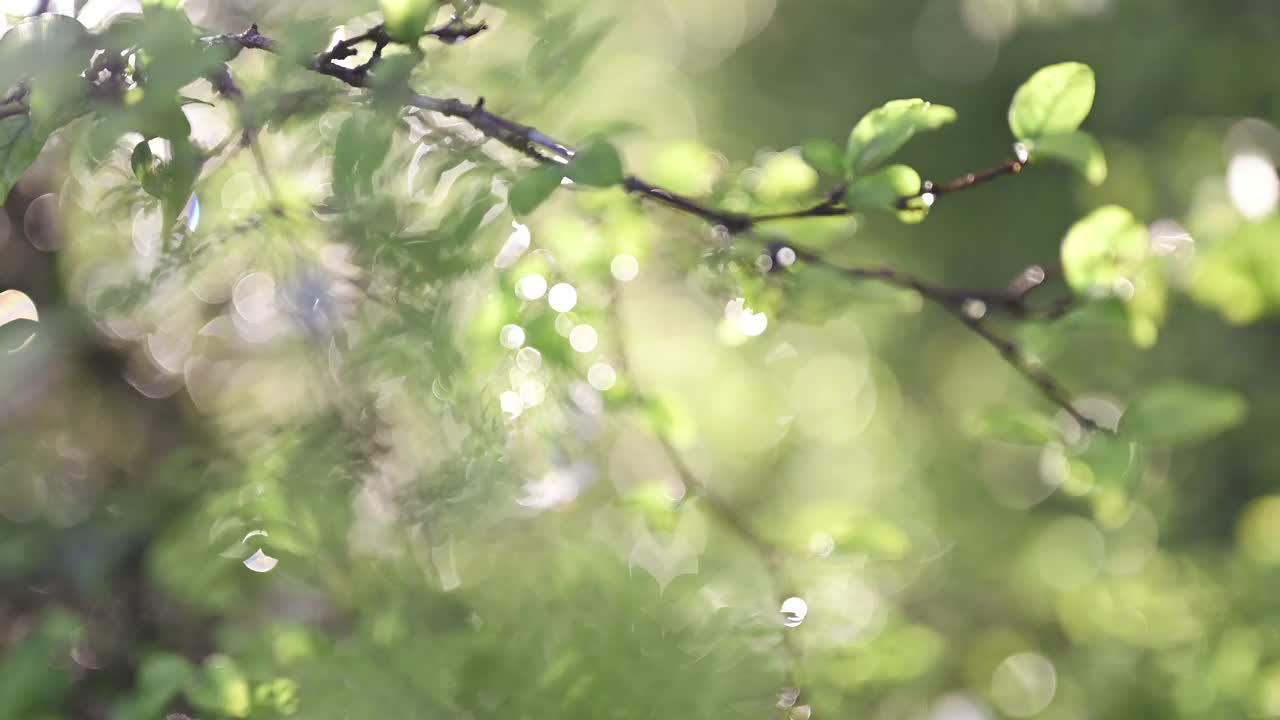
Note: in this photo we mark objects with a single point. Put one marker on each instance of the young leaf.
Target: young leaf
(1017, 426)
(361, 147)
(1076, 148)
(1056, 99)
(533, 189)
(406, 19)
(1179, 411)
(882, 131)
(882, 190)
(1105, 247)
(824, 156)
(45, 46)
(596, 165)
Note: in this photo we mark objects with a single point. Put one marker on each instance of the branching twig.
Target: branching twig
(539, 146)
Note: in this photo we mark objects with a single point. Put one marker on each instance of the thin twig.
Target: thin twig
(541, 147)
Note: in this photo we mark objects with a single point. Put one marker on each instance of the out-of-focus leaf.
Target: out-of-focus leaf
(1075, 148)
(45, 46)
(881, 190)
(1056, 99)
(1103, 249)
(19, 146)
(361, 148)
(881, 132)
(1016, 425)
(1179, 412)
(222, 688)
(596, 165)
(785, 176)
(824, 156)
(406, 19)
(161, 677)
(171, 182)
(534, 188)
(33, 675)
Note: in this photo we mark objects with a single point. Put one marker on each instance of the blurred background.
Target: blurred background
(360, 443)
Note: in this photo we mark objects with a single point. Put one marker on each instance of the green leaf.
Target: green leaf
(882, 131)
(1178, 412)
(1105, 247)
(406, 19)
(222, 688)
(161, 677)
(43, 47)
(1076, 148)
(171, 182)
(533, 189)
(1056, 99)
(882, 190)
(1017, 426)
(596, 165)
(824, 156)
(19, 146)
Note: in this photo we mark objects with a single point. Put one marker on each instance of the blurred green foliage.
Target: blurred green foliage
(317, 406)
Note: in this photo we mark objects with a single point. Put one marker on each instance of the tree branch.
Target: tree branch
(544, 149)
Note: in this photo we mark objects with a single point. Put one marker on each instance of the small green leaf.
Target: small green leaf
(596, 165)
(784, 176)
(47, 46)
(1102, 249)
(1076, 148)
(882, 131)
(1056, 99)
(19, 146)
(824, 156)
(1013, 425)
(171, 182)
(1178, 412)
(406, 19)
(533, 189)
(883, 190)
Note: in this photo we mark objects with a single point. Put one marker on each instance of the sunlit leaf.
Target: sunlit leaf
(1075, 148)
(785, 175)
(596, 165)
(361, 148)
(1178, 412)
(1103, 249)
(221, 687)
(1056, 99)
(881, 132)
(48, 46)
(534, 188)
(824, 156)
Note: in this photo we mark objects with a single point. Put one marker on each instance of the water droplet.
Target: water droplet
(193, 213)
(624, 268)
(928, 199)
(511, 336)
(528, 359)
(511, 403)
(531, 286)
(260, 562)
(764, 263)
(532, 392)
(601, 376)
(794, 609)
(787, 698)
(974, 309)
(752, 323)
(515, 246)
(562, 297)
(40, 223)
(583, 338)
(1024, 684)
(1020, 151)
(16, 306)
(254, 297)
(786, 257)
